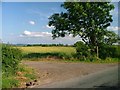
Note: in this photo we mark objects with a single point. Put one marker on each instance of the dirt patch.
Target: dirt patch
(49, 72)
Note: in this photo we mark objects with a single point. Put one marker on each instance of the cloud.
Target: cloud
(27, 33)
(45, 38)
(35, 34)
(29, 37)
(113, 28)
(32, 22)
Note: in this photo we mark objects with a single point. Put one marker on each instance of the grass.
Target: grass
(9, 82)
(107, 60)
(72, 60)
(30, 76)
(24, 74)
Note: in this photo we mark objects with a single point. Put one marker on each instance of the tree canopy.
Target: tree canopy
(88, 20)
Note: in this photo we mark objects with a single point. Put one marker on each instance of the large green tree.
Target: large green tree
(89, 20)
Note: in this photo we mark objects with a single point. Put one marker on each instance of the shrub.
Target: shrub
(108, 51)
(117, 53)
(10, 59)
(82, 50)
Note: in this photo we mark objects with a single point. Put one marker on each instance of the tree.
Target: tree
(111, 38)
(89, 20)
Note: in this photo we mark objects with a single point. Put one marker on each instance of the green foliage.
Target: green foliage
(10, 59)
(48, 45)
(82, 50)
(118, 51)
(9, 82)
(53, 55)
(110, 38)
(109, 51)
(89, 20)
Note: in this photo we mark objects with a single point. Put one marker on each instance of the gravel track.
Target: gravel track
(51, 72)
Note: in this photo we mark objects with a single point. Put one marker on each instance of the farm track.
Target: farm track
(51, 72)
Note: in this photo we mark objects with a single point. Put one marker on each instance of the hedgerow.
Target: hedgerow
(11, 57)
(84, 52)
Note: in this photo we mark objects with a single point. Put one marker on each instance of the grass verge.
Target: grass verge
(19, 79)
(107, 60)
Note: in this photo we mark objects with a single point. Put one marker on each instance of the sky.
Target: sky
(27, 23)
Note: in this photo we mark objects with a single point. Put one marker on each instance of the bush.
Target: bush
(82, 50)
(108, 51)
(117, 53)
(10, 59)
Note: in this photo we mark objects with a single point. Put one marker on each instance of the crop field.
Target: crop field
(39, 49)
(56, 53)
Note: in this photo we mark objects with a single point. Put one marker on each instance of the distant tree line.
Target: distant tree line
(49, 45)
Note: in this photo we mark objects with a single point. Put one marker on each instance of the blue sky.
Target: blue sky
(26, 22)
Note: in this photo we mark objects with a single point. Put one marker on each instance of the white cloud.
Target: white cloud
(32, 22)
(35, 34)
(27, 33)
(113, 28)
(45, 37)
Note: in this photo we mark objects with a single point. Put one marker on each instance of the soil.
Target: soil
(49, 72)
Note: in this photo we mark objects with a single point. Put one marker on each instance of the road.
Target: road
(74, 75)
(104, 78)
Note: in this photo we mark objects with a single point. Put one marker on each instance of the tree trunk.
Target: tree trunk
(97, 52)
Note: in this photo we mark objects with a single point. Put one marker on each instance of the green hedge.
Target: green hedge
(84, 52)
(109, 51)
(10, 59)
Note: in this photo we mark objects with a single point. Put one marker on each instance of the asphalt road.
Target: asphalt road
(104, 78)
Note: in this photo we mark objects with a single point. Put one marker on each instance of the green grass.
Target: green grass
(30, 76)
(111, 60)
(9, 82)
(72, 60)
(14, 81)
